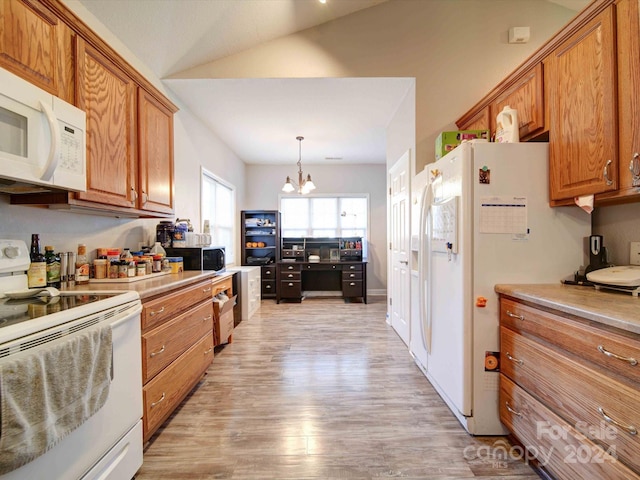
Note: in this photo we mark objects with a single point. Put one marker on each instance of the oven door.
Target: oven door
(109, 444)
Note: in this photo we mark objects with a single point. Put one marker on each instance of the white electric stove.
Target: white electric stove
(108, 445)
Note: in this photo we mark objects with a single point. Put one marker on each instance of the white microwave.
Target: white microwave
(42, 139)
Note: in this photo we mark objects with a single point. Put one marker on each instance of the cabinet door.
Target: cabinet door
(479, 121)
(628, 48)
(527, 97)
(28, 42)
(107, 94)
(155, 143)
(580, 77)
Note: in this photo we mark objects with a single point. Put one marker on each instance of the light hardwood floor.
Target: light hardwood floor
(319, 390)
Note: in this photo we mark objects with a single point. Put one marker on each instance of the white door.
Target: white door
(400, 223)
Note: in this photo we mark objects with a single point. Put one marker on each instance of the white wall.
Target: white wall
(194, 146)
(264, 184)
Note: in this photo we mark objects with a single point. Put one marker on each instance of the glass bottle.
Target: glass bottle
(52, 260)
(82, 265)
(37, 274)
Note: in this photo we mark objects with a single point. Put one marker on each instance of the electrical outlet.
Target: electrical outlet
(634, 253)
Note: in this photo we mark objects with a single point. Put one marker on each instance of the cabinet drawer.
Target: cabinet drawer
(225, 285)
(290, 289)
(268, 273)
(166, 307)
(560, 448)
(290, 267)
(289, 276)
(326, 267)
(164, 344)
(351, 288)
(591, 343)
(286, 253)
(348, 276)
(352, 266)
(575, 392)
(268, 287)
(162, 394)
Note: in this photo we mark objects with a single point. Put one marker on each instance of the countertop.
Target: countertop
(152, 286)
(616, 309)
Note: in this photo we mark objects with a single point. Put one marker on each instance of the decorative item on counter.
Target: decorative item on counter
(82, 265)
(37, 273)
(164, 233)
(52, 260)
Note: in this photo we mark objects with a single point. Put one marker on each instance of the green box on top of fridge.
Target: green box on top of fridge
(447, 141)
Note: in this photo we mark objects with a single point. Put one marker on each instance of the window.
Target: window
(218, 206)
(315, 216)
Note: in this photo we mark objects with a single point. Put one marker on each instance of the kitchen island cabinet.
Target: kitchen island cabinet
(569, 378)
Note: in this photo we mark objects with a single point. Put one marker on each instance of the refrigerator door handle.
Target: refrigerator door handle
(424, 267)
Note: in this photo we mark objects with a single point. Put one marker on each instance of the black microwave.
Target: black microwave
(200, 258)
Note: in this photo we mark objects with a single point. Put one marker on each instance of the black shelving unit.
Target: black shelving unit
(260, 239)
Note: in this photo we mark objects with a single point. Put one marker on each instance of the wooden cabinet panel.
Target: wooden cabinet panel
(574, 392)
(527, 97)
(579, 338)
(159, 310)
(29, 41)
(155, 148)
(107, 95)
(478, 121)
(580, 77)
(628, 60)
(163, 345)
(558, 445)
(167, 389)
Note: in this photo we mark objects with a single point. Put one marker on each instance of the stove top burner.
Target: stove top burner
(13, 311)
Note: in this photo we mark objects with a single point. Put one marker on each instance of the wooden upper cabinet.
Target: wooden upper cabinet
(628, 58)
(478, 121)
(526, 96)
(155, 147)
(107, 95)
(580, 75)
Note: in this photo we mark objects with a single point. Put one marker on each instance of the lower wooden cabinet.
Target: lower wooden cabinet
(177, 348)
(568, 392)
(223, 317)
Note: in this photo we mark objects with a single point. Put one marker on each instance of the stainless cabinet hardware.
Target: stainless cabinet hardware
(630, 429)
(630, 360)
(159, 401)
(208, 351)
(513, 315)
(605, 173)
(155, 312)
(506, 404)
(634, 166)
(205, 290)
(514, 359)
(153, 354)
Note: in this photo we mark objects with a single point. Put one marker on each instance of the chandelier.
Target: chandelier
(304, 185)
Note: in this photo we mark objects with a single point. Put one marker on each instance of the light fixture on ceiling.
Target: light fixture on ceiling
(304, 185)
(323, 1)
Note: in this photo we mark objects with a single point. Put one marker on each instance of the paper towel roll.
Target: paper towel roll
(585, 202)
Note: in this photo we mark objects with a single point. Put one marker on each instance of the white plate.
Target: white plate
(33, 292)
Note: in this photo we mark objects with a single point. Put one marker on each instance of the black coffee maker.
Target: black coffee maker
(597, 254)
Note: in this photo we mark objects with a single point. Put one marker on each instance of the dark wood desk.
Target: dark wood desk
(297, 277)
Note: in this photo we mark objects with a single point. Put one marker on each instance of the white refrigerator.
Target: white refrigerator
(484, 219)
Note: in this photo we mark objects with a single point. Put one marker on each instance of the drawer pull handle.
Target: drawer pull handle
(156, 311)
(605, 173)
(291, 284)
(153, 354)
(205, 290)
(209, 351)
(629, 428)
(267, 272)
(153, 404)
(514, 359)
(630, 360)
(208, 317)
(267, 287)
(352, 275)
(506, 404)
(352, 267)
(353, 284)
(290, 275)
(513, 315)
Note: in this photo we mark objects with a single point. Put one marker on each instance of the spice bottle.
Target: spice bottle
(82, 265)
(52, 260)
(37, 274)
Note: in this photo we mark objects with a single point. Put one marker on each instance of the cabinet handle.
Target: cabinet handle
(267, 272)
(290, 275)
(631, 430)
(153, 354)
(630, 360)
(209, 351)
(634, 166)
(145, 197)
(352, 284)
(268, 287)
(352, 275)
(605, 173)
(135, 194)
(352, 267)
(291, 284)
(513, 315)
(153, 404)
(205, 290)
(208, 317)
(406, 262)
(289, 267)
(155, 312)
(514, 359)
(506, 404)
